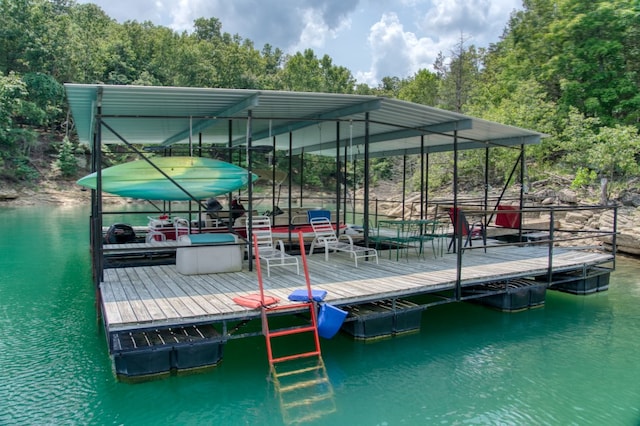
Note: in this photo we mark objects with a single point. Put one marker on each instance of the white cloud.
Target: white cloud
(316, 32)
(396, 52)
(483, 20)
(183, 13)
(288, 24)
(400, 51)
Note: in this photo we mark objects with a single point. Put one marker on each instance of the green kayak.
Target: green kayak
(200, 177)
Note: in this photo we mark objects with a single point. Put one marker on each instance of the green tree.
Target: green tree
(238, 64)
(597, 64)
(458, 76)
(585, 54)
(66, 160)
(389, 87)
(597, 151)
(301, 72)
(273, 59)
(14, 35)
(337, 79)
(16, 140)
(12, 91)
(304, 72)
(207, 29)
(89, 31)
(47, 98)
(422, 88)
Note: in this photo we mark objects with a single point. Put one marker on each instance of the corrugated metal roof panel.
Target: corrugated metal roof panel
(168, 115)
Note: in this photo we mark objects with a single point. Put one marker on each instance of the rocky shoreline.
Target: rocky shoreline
(47, 193)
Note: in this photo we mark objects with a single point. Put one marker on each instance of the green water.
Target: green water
(575, 361)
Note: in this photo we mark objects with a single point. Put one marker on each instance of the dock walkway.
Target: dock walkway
(142, 297)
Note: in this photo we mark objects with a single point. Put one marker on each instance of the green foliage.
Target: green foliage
(440, 171)
(422, 88)
(15, 110)
(577, 136)
(18, 169)
(12, 91)
(389, 87)
(584, 177)
(319, 172)
(382, 168)
(616, 151)
(46, 96)
(304, 72)
(66, 160)
(457, 76)
(594, 150)
(585, 55)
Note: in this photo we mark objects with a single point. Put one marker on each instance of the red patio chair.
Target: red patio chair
(469, 231)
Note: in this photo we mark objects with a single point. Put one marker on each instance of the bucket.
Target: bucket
(330, 320)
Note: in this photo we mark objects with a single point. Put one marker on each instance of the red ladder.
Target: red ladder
(302, 384)
(267, 310)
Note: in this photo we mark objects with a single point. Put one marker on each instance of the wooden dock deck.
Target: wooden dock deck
(146, 297)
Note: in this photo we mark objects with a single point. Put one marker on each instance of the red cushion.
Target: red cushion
(253, 300)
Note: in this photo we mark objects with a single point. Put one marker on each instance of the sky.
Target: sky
(371, 38)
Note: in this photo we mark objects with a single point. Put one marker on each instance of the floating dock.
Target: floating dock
(155, 310)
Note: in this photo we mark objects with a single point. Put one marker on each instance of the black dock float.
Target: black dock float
(582, 282)
(161, 352)
(382, 319)
(509, 296)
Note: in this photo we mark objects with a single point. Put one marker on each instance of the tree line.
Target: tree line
(567, 68)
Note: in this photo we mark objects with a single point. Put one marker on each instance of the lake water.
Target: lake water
(574, 361)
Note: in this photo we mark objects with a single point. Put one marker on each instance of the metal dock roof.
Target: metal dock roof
(170, 115)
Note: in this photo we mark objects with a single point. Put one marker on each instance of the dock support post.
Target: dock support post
(366, 174)
(249, 188)
(339, 179)
(550, 256)
(457, 239)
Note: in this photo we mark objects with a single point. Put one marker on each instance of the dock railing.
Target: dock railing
(574, 227)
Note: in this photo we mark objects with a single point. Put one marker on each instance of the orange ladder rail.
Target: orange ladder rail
(266, 310)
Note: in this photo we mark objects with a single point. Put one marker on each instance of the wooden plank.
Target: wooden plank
(218, 300)
(120, 298)
(139, 309)
(194, 291)
(175, 294)
(147, 276)
(110, 309)
(142, 284)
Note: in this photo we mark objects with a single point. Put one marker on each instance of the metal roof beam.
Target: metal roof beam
(247, 103)
(464, 145)
(309, 121)
(515, 140)
(439, 128)
(427, 149)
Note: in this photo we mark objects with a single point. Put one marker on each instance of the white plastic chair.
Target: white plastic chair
(270, 251)
(325, 236)
(181, 227)
(154, 236)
